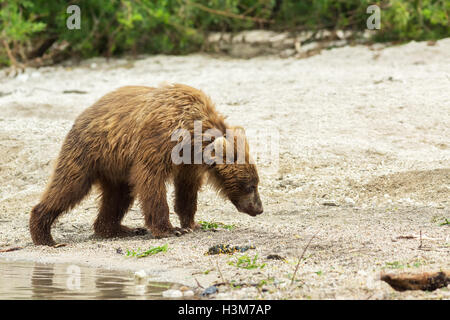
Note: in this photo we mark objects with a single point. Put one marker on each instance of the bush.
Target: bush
(29, 28)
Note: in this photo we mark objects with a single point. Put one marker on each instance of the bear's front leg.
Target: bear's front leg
(149, 185)
(187, 183)
(156, 212)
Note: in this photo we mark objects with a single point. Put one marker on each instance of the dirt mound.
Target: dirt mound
(422, 185)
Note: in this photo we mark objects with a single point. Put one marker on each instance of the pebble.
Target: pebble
(171, 293)
(188, 293)
(141, 274)
(209, 290)
(350, 201)
(23, 77)
(275, 257)
(329, 203)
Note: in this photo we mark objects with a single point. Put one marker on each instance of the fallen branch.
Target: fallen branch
(11, 249)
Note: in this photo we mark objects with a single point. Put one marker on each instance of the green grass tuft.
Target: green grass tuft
(141, 254)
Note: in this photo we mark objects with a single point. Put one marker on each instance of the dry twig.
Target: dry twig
(301, 257)
(11, 249)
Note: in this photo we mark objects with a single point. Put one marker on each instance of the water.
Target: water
(30, 280)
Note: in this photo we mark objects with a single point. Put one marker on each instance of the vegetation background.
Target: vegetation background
(29, 28)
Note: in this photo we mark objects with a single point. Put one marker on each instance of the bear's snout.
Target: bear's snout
(250, 204)
(254, 211)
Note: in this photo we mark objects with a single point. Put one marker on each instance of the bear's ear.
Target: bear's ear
(214, 152)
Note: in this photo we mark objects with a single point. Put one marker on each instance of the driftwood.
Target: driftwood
(427, 281)
(10, 249)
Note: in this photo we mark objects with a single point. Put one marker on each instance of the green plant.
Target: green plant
(263, 282)
(141, 254)
(246, 262)
(18, 24)
(394, 265)
(425, 19)
(445, 223)
(215, 225)
(28, 29)
(207, 271)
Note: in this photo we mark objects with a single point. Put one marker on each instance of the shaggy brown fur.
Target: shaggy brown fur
(123, 144)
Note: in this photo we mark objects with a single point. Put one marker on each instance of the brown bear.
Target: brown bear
(124, 143)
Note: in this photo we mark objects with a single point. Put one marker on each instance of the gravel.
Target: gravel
(363, 142)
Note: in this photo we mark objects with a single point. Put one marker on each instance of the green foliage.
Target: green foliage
(18, 22)
(215, 225)
(180, 26)
(311, 14)
(394, 265)
(246, 262)
(445, 223)
(419, 20)
(141, 254)
(398, 265)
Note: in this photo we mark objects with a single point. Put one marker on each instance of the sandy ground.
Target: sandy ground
(364, 158)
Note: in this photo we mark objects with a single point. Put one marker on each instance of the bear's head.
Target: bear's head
(234, 173)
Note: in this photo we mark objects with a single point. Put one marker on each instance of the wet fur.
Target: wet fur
(123, 144)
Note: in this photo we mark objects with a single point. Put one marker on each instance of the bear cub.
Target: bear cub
(125, 144)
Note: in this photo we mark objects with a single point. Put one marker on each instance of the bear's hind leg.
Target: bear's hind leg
(116, 200)
(63, 193)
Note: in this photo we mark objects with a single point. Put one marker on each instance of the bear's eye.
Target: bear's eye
(250, 188)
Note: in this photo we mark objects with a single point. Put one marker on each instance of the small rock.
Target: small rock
(349, 201)
(275, 257)
(329, 203)
(209, 290)
(245, 50)
(23, 77)
(188, 293)
(261, 36)
(287, 53)
(141, 274)
(171, 293)
(214, 37)
(310, 46)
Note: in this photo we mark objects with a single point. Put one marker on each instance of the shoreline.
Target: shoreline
(363, 160)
